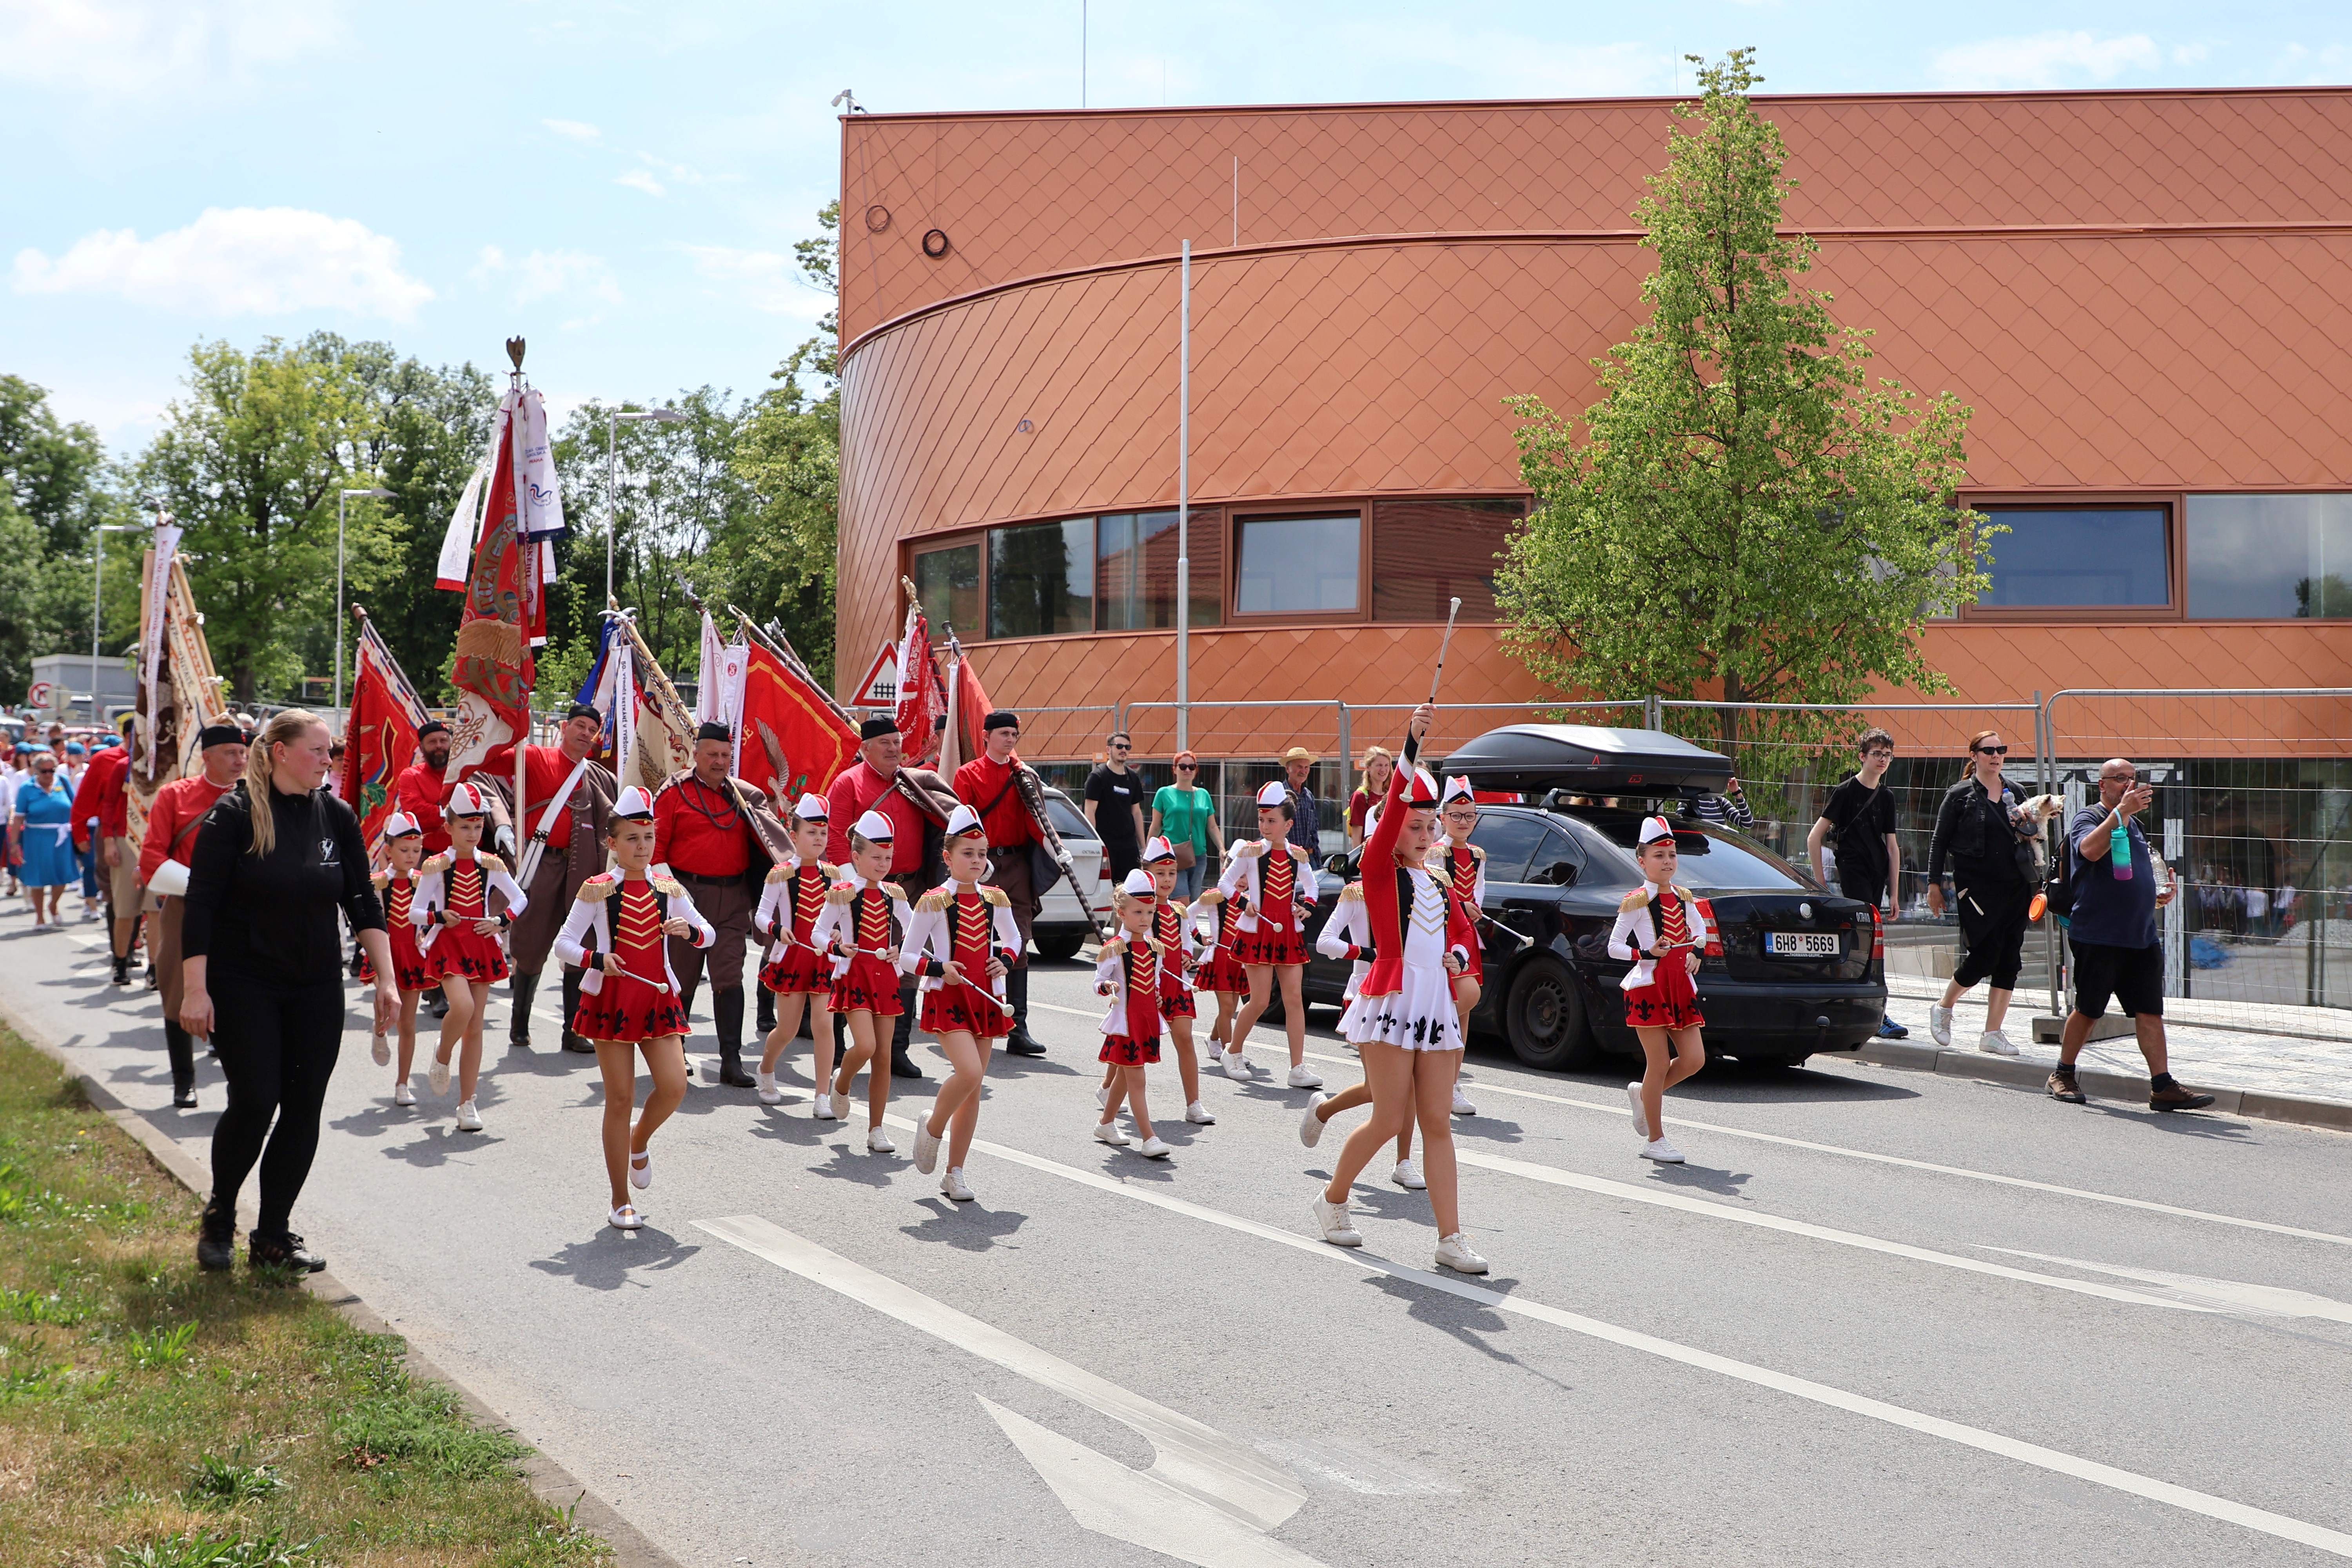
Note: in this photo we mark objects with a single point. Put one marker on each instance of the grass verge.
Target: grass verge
(152, 1415)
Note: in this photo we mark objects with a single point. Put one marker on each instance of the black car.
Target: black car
(1801, 970)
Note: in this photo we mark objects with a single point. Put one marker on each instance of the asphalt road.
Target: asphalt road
(1879, 1318)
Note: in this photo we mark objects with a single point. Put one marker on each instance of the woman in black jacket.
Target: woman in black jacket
(275, 861)
(1979, 831)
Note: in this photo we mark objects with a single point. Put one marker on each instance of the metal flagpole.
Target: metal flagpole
(1183, 508)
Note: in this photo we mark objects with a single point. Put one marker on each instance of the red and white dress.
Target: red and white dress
(1219, 969)
(398, 891)
(1406, 997)
(1130, 971)
(623, 917)
(1659, 992)
(1464, 867)
(965, 925)
(858, 926)
(461, 887)
(1268, 879)
(1347, 935)
(789, 907)
(1172, 931)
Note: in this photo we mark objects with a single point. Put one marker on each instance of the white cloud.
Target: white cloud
(766, 280)
(2191, 54)
(124, 50)
(638, 180)
(2044, 61)
(548, 275)
(577, 129)
(2300, 64)
(236, 261)
(1514, 65)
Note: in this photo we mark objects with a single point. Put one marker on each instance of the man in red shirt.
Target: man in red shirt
(103, 797)
(703, 833)
(580, 792)
(987, 784)
(179, 808)
(420, 789)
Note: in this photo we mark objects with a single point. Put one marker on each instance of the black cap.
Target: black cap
(213, 735)
(1003, 718)
(873, 726)
(581, 710)
(431, 727)
(714, 730)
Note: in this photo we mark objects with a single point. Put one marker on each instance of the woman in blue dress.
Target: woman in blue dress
(42, 830)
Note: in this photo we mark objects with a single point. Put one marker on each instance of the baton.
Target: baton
(1438, 674)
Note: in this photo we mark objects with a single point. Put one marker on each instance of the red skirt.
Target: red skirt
(1176, 999)
(966, 1007)
(802, 970)
(1270, 945)
(868, 985)
(1127, 1052)
(462, 950)
(1668, 1001)
(629, 1009)
(407, 963)
(1221, 972)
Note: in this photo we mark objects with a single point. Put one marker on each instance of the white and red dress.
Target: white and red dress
(1131, 970)
(789, 906)
(1219, 969)
(1464, 867)
(624, 916)
(1406, 997)
(460, 887)
(857, 925)
(398, 891)
(1172, 929)
(1659, 992)
(965, 926)
(1345, 935)
(1267, 880)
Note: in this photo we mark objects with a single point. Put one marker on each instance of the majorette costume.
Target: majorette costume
(1172, 928)
(1217, 969)
(1345, 935)
(398, 891)
(789, 907)
(1270, 878)
(856, 926)
(965, 926)
(1659, 992)
(1464, 867)
(455, 892)
(1129, 975)
(623, 915)
(1406, 998)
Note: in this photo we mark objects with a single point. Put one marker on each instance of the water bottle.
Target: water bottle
(2119, 850)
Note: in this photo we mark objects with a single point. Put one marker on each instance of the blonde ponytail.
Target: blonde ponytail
(259, 764)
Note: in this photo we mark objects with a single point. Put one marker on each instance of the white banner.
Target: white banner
(152, 650)
(541, 505)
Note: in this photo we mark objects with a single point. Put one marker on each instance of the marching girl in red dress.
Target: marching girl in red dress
(1348, 935)
(618, 933)
(1129, 975)
(859, 926)
(1462, 865)
(396, 884)
(797, 971)
(1172, 929)
(962, 942)
(460, 939)
(1218, 973)
(1265, 881)
(1661, 930)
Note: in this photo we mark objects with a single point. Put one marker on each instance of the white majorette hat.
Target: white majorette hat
(964, 822)
(468, 800)
(400, 825)
(1652, 829)
(1276, 793)
(874, 827)
(1139, 885)
(812, 808)
(1456, 788)
(632, 804)
(1157, 849)
(1421, 791)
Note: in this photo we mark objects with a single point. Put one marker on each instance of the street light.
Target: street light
(342, 502)
(613, 420)
(96, 577)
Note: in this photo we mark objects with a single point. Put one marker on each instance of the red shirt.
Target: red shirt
(856, 791)
(100, 794)
(1007, 821)
(172, 822)
(544, 769)
(700, 830)
(419, 791)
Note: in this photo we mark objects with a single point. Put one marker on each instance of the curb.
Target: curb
(548, 1480)
(2334, 1115)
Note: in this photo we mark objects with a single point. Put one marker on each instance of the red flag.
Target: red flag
(493, 667)
(789, 739)
(380, 731)
(923, 695)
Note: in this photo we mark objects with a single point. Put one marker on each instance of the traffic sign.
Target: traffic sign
(880, 687)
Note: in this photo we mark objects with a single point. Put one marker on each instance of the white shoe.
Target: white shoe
(1408, 1175)
(841, 1108)
(1236, 1067)
(641, 1171)
(625, 1218)
(769, 1093)
(1305, 1076)
(1664, 1153)
(1153, 1149)
(877, 1142)
(1310, 1126)
(1462, 1106)
(1108, 1132)
(1198, 1115)
(437, 1075)
(1331, 1219)
(926, 1149)
(1453, 1252)
(1640, 1117)
(825, 1110)
(401, 1094)
(468, 1118)
(953, 1186)
(1939, 1024)
(380, 1049)
(1993, 1043)
(1102, 1095)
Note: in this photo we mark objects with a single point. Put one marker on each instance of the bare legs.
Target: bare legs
(863, 1031)
(956, 1109)
(617, 1059)
(467, 1000)
(1996, 1004)
(407, 1062)
(1263, 978)
(790, 1006)
(1659, 1075)
(1188, 1062)
(1129, 1089)
(1407, 1086)
(1360, 1093)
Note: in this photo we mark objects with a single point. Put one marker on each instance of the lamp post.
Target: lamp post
(342, 502)
(98, 578)
(613, 420)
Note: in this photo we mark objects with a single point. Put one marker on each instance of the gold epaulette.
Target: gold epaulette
(491, 862)
(1477, 854)
(1683, 894)
(894, 890)
(1114, 947)
(1249, 849)
(1638, 899)
(933, 902)
(599, 888)
(778, 874)
(840, 893)
(1210, 897)
(666, 888)
(996, 895)
(1352, 893)
(381, 879)
(438, 864)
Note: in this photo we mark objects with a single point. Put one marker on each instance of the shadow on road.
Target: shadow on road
(967, 1227)
(604, 1260)
(1723, 1184)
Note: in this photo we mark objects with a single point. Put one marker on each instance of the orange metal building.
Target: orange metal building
(2146, 298)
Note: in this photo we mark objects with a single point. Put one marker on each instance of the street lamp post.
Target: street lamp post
(342, 502)
(97, 579)
(613, 420)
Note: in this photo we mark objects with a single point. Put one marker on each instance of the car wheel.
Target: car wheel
(1057, 947)
(1543, 1019)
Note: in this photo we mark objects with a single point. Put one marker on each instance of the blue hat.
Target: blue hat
(76, 749)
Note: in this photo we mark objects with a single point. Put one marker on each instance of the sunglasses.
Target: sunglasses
(1188, 767)
(1991, 751)
(1122, 746)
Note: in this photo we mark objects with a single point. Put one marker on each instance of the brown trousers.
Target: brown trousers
(550, 894)
(169, 980)
(729, 907)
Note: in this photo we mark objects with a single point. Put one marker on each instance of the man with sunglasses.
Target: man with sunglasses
(1983, 833)
(1114, 807)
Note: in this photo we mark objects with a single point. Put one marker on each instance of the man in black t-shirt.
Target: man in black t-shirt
(1114, 797)
(1860, 815)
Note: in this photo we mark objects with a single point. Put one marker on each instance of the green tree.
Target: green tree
(55, 491)
(1743, 514)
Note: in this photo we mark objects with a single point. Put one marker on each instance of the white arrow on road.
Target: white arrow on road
(2214, 1295)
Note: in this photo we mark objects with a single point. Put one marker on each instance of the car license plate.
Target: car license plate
(1801, 944)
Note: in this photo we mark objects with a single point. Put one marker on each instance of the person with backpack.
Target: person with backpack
(1860, 815)
(1984, 833)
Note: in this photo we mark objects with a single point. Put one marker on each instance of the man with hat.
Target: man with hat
(1305, 818)
(990, 784)
(567, 799)
(420, 789)
(867, 785)
(703, 833)
(103, 797)
(172, 819)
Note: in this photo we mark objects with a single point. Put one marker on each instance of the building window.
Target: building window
(1426, 552)
(1135, 571)
(2269, 557)
(1297, 565)
(947, 582)
(2079, 557)
(1041, 579)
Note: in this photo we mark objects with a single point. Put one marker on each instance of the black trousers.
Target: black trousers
(277, 1046)
(1992, 922)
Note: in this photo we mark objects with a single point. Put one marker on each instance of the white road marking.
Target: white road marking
(2220, 1295)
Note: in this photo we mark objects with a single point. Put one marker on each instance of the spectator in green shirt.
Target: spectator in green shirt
(1186, 815)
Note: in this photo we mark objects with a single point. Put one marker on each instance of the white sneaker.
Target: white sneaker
(953, 1186)
(1310, 1126)
(769, 1093)
(841, 1108)
(437, 1075)
(1236, 1067)
(380, 1049)
(1640, 1117)
(1993, 1043)
(468, 1118)
(825, 1110)
(1153, 1149)
(1453, 1252)
(926, 1149)
(1305, 1076)
(1664, 1153)
(877, 1142)
(1198, 1115)
(1108, 1132)
(1462, 1106)
(1102, 1095)
(1331, 1219)
(401, 1094)
(1408, 1175)
(1939, 1024)
(641, 1171)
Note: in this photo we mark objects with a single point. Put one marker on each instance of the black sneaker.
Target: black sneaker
(121, 971)
(215, 1239)
(2063, 1087)
(2175, 1098)
(183, 1100)
(283, 1251)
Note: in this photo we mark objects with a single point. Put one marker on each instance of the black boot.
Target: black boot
(902, 1035)
(727, 1017)
(521, 987)
(283, 1250)
(572, 1042)
(1020, 1042)
(182, 1052)
(216, 1236)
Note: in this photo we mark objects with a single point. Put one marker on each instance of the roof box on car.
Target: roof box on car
(1533, 758)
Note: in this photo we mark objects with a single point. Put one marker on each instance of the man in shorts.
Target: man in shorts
(2112, 934)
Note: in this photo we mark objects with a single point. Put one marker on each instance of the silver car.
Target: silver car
(1062, 926)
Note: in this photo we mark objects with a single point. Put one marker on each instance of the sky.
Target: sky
(622, 184)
